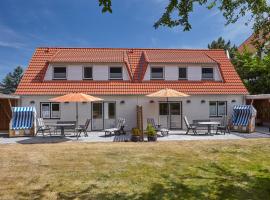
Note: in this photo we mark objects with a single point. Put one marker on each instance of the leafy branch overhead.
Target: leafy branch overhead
(177, 13)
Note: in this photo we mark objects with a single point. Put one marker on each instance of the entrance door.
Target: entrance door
(97, 116)
(170, 115)
(103, 115)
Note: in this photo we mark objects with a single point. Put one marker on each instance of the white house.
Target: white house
(123, 77)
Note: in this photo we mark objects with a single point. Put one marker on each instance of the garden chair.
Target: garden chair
(224, 126)
(118, 129)
(42, 127)
(157, 127)
(190, 126)
(82, 128)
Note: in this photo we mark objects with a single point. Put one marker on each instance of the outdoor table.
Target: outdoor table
(62, 127)
(209, 125)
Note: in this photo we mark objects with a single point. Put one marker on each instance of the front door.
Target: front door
(170, 115)
(103, 115)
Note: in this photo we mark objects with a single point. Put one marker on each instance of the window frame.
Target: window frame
(121, 67)
(217, 110)
(179, 73)
(83, 75)
(50, 110)
(55, 78)
(155, 67)
(213, 74)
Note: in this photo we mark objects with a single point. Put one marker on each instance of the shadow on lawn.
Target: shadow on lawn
(43, 140)
(218, 183)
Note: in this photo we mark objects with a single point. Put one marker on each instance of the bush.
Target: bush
(136, 132)
(150, 130)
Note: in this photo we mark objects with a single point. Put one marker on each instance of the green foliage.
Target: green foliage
(150, 130)
(136, 132)
(254, 71)
(220, 43)
(177, 13)
(12, 80)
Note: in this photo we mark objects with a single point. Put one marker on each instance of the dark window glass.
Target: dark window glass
(175, 108)
(87, 73)
(97, 110)
(157, 73)
(50, 110)
(163, 109)
(111, 110)
(115, 72)
(45, 110)
(59, 72)
(217, 108)
(182, 72)
(207, 73)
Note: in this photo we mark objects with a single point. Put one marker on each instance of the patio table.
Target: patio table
(209, 125)
(62, 127)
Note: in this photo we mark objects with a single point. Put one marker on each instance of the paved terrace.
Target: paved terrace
(100, 137)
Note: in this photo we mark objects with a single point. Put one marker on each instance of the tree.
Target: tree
(12, 80)
(177, 14)
(254, 71)
(220, 43)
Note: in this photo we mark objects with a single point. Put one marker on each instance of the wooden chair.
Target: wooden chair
(224, 126)
(118, 129)
(158, 128)
(42, 127)
(82, 128)
(190, 126)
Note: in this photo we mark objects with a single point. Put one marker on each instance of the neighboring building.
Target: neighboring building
(123, 76)
(248, 45)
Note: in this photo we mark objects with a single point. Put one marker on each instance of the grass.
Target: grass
(163, 170)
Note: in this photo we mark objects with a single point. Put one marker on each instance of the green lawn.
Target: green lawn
(163, 170)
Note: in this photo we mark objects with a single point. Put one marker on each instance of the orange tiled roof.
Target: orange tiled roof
(136, 61)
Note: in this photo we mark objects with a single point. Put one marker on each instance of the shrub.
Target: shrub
(150, 130)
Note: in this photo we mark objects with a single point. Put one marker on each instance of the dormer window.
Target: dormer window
(87, 73)
(182, 73)
(115, 73)
(207, 73)
(59, 73)
(157, 73)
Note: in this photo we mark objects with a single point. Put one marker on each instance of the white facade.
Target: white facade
(194, 72)
(75, 71)
(194, 109)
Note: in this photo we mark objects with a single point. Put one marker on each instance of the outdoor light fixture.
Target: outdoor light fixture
(66, 102)
(202, 101)
(233, 101)
(151, 101)
(84, 102)
(122, 102)
(32, 102)
(188, 101)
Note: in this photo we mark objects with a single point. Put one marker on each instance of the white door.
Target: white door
(97, 116)
(170, 115)
(109, 114)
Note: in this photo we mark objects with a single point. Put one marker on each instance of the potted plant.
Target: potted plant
(151, 133)
(136, 135)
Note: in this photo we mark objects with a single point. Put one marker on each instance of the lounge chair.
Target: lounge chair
(158, 128)
(82, 128)
(118, 129)
(224, 126)
(42, 127)
(190, 126)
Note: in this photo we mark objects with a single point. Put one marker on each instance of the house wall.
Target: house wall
(194, 72)
(75, 72)
(193, 110)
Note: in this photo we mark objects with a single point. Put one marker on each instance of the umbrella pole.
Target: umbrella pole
(168, 113)
(77, 114)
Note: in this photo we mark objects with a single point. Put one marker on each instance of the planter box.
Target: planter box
(152, 138)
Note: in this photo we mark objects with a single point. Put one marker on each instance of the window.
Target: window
(111, 110)
(116, 73)
(163, 109)
(182, 73)
(87, 73)
(207, 73)
(157, 73)
(50, 110)
(217, 108)
(59, 73)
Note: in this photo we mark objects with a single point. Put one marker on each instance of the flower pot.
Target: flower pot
(152, 138)
(135, 138)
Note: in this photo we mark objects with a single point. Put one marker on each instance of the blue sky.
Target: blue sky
(25, 25)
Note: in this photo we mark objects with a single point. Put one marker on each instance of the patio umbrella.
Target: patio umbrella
(167, 93)
(76, 98)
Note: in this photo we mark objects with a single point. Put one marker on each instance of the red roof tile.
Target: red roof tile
(136, 61)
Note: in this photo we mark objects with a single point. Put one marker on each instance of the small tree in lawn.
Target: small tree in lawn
(12, 80)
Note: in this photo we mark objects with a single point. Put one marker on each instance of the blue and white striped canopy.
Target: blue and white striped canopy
(242, 114)
(23, 117)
